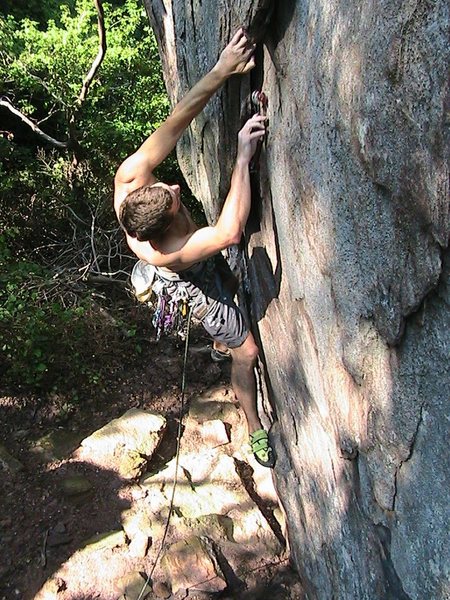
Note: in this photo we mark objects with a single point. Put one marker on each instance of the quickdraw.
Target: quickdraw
(259, 102)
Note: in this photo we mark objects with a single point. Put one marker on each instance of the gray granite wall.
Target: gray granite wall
(347, 267)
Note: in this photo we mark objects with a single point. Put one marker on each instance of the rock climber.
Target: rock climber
(160, 230)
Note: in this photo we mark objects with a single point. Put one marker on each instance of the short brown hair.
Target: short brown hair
(145, 212)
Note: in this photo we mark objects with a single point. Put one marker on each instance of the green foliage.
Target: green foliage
(46, 344)
(28, 352)
(53, 211)
(42, 67)
(37, 10)
(43, 70)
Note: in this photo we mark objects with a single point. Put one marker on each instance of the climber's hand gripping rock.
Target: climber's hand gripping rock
(237, 57)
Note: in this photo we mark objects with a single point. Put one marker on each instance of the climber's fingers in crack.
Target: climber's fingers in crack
(237, 37)
(249, 136)
(251, 63)
(255, 123)
(240, 39)
(237, 56)
(256, 134)
(243, 44)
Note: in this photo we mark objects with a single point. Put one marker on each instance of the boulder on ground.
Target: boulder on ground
(125, 444)
(132, 586)
(56, 445)
(188, 564)
(8, 462)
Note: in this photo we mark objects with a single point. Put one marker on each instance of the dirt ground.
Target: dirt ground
(39, 526)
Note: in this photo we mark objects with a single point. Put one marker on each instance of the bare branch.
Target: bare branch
(43, 83)
(52, 112)
(105, 279)
(88, 80)
(7, 104)
(72, 142)
(7, 134)
(94, 255)
(100, 54)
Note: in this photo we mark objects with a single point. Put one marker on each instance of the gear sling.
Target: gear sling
(172, 298)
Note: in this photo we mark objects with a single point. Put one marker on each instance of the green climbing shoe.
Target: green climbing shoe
(262, 451)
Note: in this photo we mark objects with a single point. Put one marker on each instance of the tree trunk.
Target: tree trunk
(348, 270)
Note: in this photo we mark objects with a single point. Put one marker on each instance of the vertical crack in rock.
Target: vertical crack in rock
(202, 137)
(263, 392)
(193, 20)
(261, 19)
(295, 427)
(221, 564)
(411, 451)
(245, 474)
(394, 586)
(185, 66)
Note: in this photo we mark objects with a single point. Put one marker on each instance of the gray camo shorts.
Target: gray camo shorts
(211, 286)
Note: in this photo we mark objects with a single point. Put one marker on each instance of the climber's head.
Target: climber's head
(146, 213)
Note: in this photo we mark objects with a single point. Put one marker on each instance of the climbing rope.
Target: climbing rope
(170, 315)
(177, 453)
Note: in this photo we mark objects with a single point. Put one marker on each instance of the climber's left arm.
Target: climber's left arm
(137, 169)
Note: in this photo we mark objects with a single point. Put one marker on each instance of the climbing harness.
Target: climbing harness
(170, 314)
(171, 309)
(172, 302)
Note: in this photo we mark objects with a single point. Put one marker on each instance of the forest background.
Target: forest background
(64, 267)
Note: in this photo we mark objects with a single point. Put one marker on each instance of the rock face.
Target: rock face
(348, 269)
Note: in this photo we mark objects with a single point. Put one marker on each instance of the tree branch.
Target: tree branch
(88, 80)
(73, 142)
(100, 54)
(7, 104)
